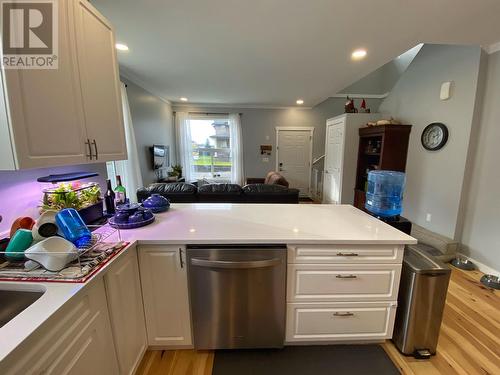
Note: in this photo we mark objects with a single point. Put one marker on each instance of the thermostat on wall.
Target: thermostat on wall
(445, 91)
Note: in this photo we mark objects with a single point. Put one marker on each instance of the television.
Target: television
(160, 156)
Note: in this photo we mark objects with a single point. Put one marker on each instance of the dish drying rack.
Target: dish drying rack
(89, 259)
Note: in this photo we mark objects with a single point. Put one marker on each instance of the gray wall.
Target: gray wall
(258, 127)
(435, 179)
(480, 237)
(152, 119)
(383, 79)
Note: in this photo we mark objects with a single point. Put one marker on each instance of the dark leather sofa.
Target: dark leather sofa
(221, 193)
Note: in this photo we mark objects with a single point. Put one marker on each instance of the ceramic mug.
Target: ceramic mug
(21, 223)
(20, 241)
(45, 226)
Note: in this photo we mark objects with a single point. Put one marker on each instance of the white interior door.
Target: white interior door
(294, 154)
(334, 151)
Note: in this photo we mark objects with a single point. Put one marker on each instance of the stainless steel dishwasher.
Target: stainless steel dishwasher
(237, 296)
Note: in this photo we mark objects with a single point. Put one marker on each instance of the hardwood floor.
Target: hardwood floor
(469, 342)
(176, 362)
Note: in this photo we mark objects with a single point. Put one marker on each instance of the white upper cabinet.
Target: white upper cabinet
(51, 117)
(44, 108)
(100, 83)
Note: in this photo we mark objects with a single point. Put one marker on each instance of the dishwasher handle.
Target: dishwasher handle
(235, 265)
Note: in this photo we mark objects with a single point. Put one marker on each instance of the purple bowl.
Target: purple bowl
(137, 217)
(147, 214)
(156, 203)
(130, 208)
(121, 217)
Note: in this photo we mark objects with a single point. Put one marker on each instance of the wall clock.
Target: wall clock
(434, 136)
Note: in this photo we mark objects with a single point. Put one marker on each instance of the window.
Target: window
(210, 155)
(209, 147)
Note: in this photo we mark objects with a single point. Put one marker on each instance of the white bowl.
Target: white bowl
(53, 253)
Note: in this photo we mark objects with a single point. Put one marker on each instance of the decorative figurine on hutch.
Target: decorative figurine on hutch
(349, 106)
(363, 108)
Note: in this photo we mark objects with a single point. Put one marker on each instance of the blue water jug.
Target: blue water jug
(73, 227)
(384, 195)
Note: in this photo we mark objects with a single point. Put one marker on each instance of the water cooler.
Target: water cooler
(384, 198)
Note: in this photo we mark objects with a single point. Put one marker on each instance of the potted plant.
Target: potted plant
(176, 171)
(85, 198)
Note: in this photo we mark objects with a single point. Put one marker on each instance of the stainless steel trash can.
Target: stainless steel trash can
(422, 295)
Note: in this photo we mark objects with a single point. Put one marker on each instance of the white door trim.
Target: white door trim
(340, 121)
(298, 128)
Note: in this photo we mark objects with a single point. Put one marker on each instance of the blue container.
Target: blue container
(73, 227)
(385, 193)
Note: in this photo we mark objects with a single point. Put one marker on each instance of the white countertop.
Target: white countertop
(266, 223)
(210, 224)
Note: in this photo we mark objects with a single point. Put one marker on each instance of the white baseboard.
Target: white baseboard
(481, 266)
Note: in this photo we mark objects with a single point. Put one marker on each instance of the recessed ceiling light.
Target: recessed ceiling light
(183, 99)
(359, 54)
(121, 47)
(299, 101)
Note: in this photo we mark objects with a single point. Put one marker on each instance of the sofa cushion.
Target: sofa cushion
(265, 193)
(178, 192)
(264, 188)
(221, 193)
(220, 188)
(177, 187)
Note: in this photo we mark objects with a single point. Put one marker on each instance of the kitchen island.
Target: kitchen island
(341, 264)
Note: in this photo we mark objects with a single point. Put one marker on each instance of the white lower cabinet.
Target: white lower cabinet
(340, 321)
(351, 254)
(123, 290)
(342, 293)
(341, 282)
(165, 293)
(77, 340)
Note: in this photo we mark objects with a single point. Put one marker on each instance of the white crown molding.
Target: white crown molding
(240, 106)
(362, 96)
(492, 48)
(128, 74)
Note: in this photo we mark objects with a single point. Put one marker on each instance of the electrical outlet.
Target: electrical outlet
(428, 218)
(265, 160)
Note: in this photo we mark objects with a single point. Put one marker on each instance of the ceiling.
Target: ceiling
(269, 53)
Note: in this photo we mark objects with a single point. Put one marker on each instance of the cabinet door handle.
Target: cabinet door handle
(89, 155)
(95, 147)
(180, 258)
(346, 276)
(347, 254)
(343, 314)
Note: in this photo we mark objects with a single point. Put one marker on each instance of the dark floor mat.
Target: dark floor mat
(314, 360)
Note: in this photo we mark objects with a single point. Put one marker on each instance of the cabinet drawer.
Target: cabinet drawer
(331, 282)
(345, 253)
(339, 321)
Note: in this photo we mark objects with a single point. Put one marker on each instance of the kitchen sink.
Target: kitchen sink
(13, 302)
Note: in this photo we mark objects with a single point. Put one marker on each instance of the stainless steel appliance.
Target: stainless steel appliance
(422, 295)
(237, 296)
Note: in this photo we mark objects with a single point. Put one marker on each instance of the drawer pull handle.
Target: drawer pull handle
(347, 254)
(346, 276)
(343, 314)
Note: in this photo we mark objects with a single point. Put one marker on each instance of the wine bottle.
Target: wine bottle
(109, 199)
(120, 192)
